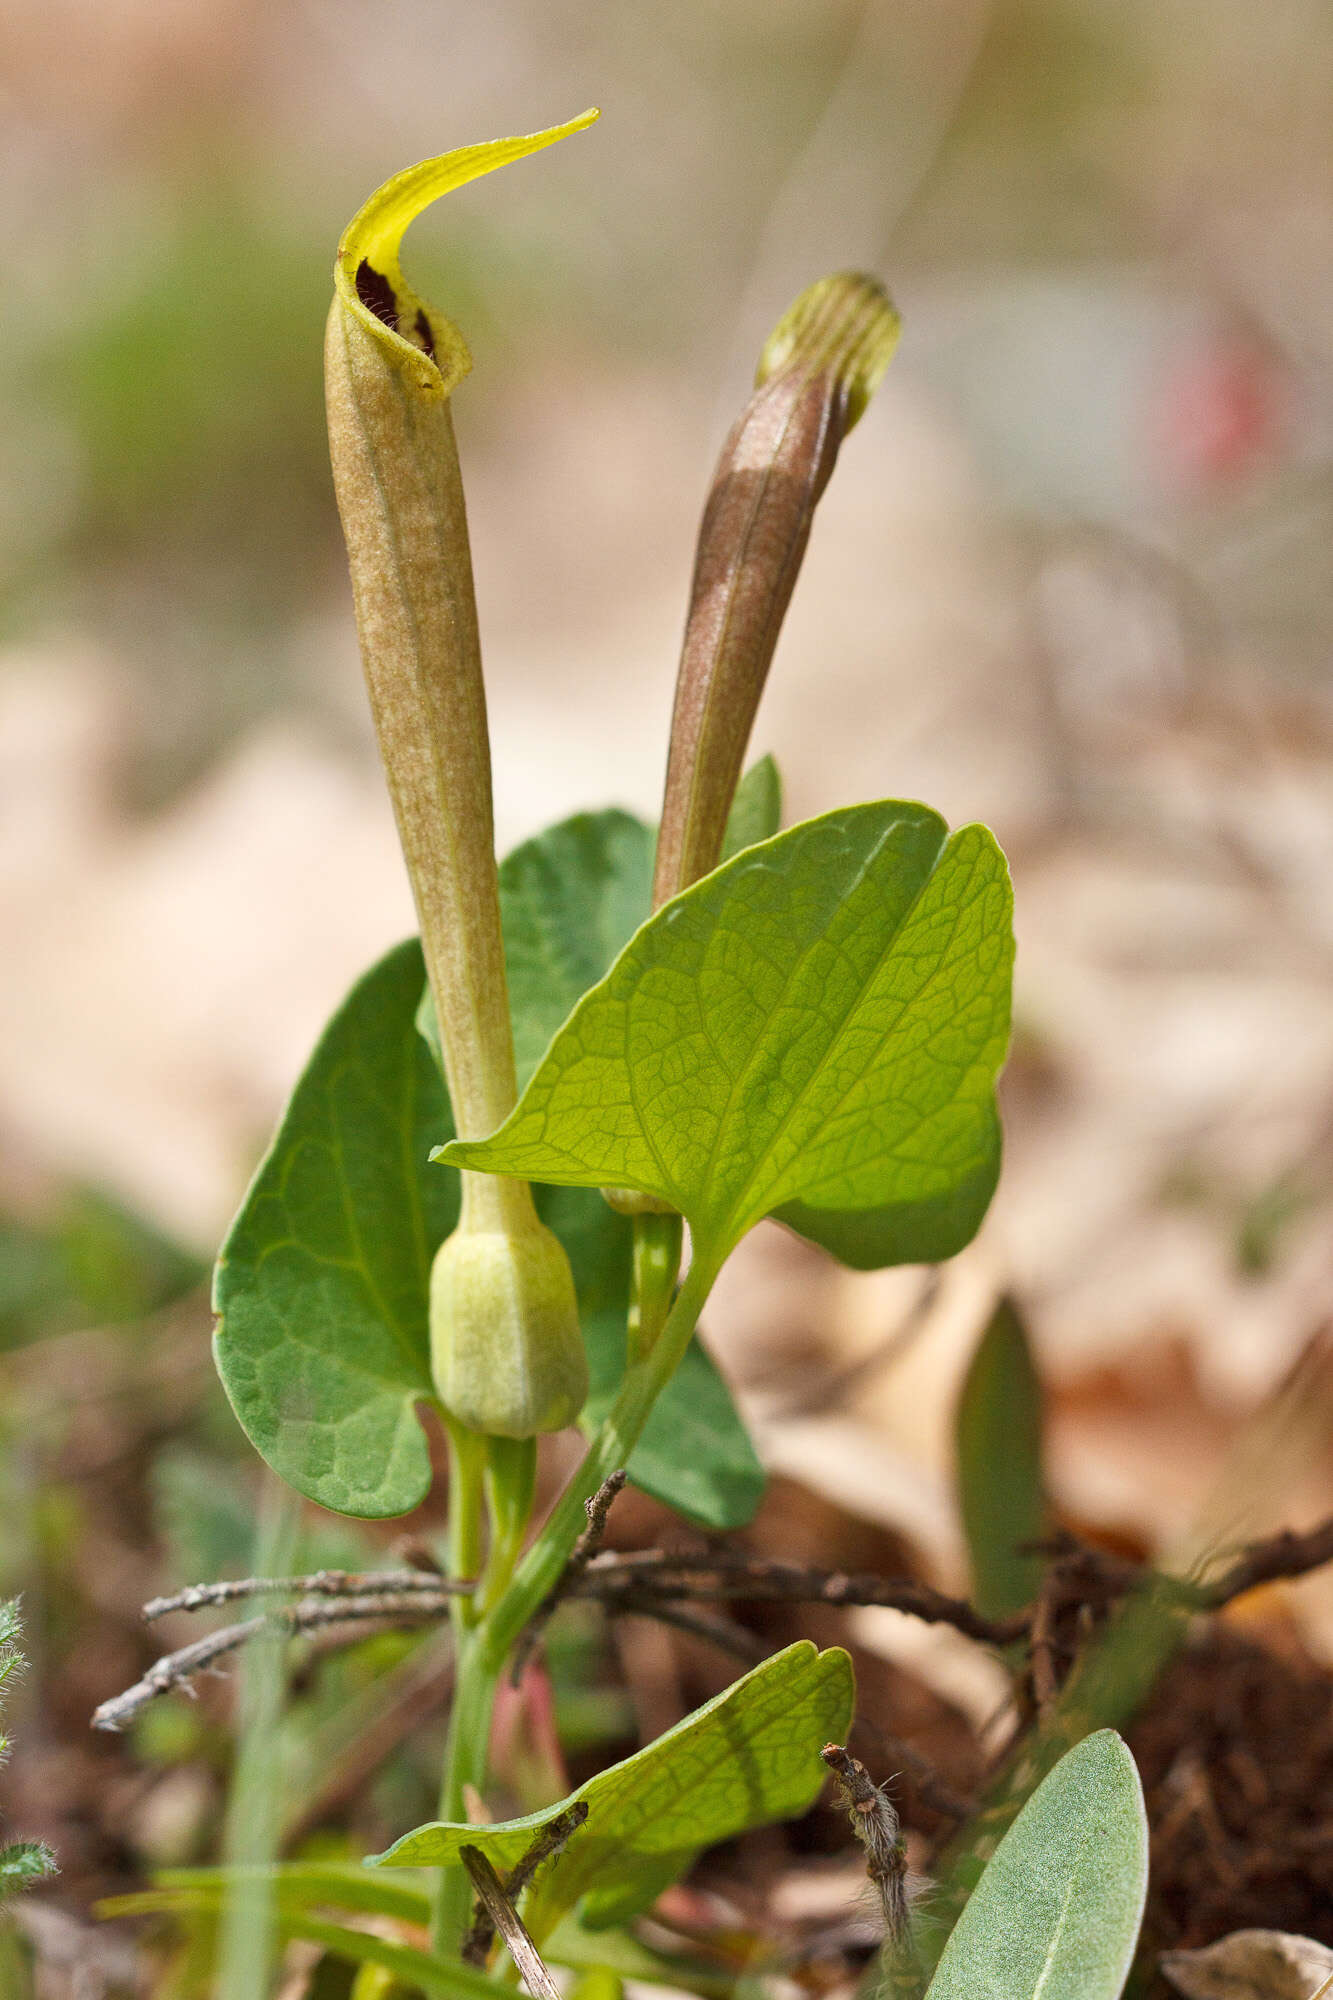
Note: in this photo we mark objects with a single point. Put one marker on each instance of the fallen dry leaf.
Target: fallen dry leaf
(1252, 1965)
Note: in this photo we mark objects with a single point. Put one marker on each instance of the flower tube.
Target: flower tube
(819, 369)
(506, 1352)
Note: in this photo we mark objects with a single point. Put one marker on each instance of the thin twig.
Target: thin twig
(179, 1668)
(323, 1583)
(724, 1633)
(597, 1507)
(654, 1583)
(174, 1670)
(1277, 1557)
(392, 1604)
(551, 1838)
(875, 1823)
(730, 1573)
(490, 1891)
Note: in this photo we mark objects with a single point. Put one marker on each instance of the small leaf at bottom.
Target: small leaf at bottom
(749, 1757)
(1057, 1911)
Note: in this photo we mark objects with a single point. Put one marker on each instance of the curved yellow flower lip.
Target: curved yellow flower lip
(368, 277)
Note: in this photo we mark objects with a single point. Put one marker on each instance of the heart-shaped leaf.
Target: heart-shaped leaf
(571, 898)
(820, 1021)
(1057, 1911)
(749, 1757)
(322, 1342)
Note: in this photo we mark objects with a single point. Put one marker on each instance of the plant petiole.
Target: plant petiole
(540, 1569)
(657, 1246)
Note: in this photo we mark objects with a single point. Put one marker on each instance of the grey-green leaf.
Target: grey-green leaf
(1057, 1911)
(749, 1757)
(819, 1021)
(1001, 1488)
(322, 1341)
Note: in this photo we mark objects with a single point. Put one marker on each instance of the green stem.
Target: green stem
(467, 1460)
(251, 1833)
(657, 1240)
(482, 1647)
(644, 1381)
(511, 1481)
(475, 1682)
(470, 1711)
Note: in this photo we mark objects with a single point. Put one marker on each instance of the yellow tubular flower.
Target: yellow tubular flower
(506, 1351)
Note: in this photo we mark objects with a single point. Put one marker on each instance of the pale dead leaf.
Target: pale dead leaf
(1251, 1965)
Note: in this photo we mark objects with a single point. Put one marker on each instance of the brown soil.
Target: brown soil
(1236, 1753)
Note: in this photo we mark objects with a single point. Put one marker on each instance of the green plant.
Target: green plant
(1056, 1914)
(22, 1862)
(477, 1197)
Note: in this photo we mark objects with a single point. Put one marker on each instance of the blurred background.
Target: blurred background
(1074, 577)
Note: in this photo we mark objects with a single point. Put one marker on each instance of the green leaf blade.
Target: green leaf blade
(417, 1971)
(756, 810)
(1056, 1913)
(694, 1453)
(24, 1863)
(748, 1757)
(1001, 1486)
(927, 1230)
(322, 1340)
(820, 1021)
(322, 1284)
(571, 898)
